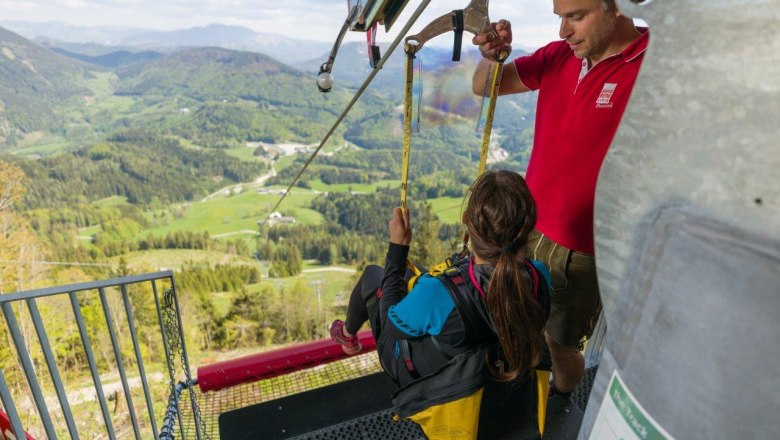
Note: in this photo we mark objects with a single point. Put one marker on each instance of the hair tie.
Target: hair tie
(512, 247)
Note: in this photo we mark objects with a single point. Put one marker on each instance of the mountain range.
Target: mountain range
(55, 34)
(34, 82)
(220, 97)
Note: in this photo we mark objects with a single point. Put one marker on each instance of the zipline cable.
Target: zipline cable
(407, 26)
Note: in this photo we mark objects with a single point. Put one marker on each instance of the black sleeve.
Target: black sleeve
(393, 283)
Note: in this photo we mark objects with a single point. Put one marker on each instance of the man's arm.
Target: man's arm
(510, 80)
(490, 44)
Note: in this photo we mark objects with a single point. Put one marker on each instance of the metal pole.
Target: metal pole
(10, 408)
(138, 358)
(74, 302)
(29, 371)
(51, 363)
(119, 361)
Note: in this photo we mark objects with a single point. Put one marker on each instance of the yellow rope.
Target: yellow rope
(494, 84)
(410, 50)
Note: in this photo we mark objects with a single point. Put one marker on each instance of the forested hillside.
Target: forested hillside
(135, 166)
(35, 83)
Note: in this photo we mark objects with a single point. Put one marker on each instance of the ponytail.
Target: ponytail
(518, 319)
(499, 216)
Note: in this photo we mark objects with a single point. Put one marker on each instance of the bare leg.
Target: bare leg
(568, 365)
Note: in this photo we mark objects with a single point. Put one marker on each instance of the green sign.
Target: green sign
(621, 417)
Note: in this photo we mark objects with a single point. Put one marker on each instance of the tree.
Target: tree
(19, 249)
(12, 181)
(286, 262)
(426, 250)
(297, 313)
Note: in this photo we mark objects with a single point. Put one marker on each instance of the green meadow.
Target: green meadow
(235, 213)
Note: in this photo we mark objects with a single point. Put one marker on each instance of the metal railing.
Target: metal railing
(119, 317)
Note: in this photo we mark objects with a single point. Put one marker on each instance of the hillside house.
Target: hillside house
(276, 217)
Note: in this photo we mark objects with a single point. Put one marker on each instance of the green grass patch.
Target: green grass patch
(307, 216)
(173, 259)
(221, 301)
(447, 209)
(318, 185)
(119, 104)
(88, 233)
(240, 212)
(245, 154)
(48, 146)
(112, 201)
(284, 162)
(335, 282)
(101, 83)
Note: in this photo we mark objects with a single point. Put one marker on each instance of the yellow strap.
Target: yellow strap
(458, 419)
(495, 83)
(413, 280)
(410, 50)
(542, 389)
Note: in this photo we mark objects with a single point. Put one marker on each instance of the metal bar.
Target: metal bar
(595, 345)
(29, 370)
(74, 301)
(10, 408)
(186, 361)
(354, 99)
(51, 363)
(70, 288)
(119, 361)
(168, 355)
(138, 358)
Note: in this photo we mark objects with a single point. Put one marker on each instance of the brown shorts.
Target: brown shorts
(575, 304)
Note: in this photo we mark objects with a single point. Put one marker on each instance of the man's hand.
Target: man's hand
(491, 45)
(400, 227)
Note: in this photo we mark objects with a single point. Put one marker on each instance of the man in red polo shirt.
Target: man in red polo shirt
(584, 82)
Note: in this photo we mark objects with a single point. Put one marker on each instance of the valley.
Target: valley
(173, 161)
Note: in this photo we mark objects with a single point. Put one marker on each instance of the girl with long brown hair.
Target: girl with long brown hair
(437, 335)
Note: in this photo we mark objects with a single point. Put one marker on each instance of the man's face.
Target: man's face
(586, 25)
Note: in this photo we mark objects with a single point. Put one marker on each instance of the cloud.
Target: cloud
(75, 4)
(17, 6)
(532, 20)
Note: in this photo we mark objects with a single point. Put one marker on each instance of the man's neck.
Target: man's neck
(625, 33)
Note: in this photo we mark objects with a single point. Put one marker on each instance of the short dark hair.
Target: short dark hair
(610, 4)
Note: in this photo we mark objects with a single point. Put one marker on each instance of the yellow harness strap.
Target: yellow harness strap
(458, 419)
(494, 84)
(542, 388)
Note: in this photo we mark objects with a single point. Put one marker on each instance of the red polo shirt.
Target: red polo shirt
(577, 114)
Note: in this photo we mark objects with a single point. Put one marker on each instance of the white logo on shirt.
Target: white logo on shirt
(603, 101)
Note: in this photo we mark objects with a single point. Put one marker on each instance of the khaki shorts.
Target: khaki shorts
(575, 302)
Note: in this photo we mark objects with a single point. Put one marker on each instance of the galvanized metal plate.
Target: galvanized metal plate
(697, 148)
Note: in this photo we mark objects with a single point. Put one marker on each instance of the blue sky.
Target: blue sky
(533, 21)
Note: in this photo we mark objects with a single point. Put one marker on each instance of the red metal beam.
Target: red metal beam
(274, 363)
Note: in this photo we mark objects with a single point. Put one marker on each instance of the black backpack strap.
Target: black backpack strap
(453, 279)
(406, 358)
